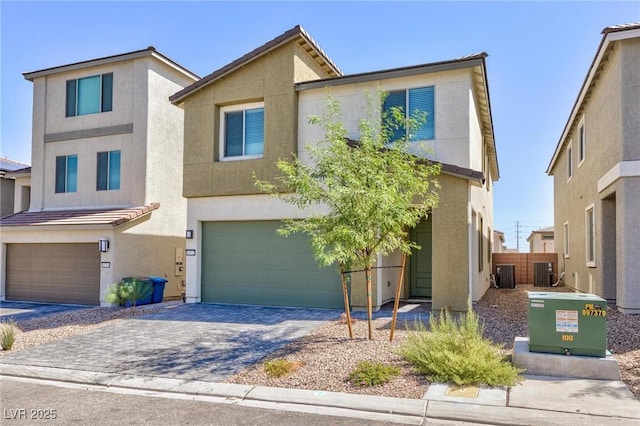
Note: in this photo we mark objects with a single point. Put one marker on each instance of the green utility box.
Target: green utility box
(567, 323)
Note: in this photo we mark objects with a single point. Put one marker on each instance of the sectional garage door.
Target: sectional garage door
(56, 273)
(247, 263)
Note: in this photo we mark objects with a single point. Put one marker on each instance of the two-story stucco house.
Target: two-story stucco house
(541, 240)
(243, 117)
(106, 167)
(596, 175)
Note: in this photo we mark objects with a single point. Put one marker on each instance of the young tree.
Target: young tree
(368, 192)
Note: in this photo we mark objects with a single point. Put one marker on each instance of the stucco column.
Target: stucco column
(628, 245)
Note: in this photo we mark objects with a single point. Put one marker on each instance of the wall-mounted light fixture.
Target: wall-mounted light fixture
(103, 245)
(189, 234)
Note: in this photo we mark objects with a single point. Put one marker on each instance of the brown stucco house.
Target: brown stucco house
(243, 117)
(596, 175)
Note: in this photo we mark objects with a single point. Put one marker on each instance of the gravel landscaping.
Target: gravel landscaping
(325, 357)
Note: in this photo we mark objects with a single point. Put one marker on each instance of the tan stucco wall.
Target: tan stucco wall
(612, 136)
(269, 79)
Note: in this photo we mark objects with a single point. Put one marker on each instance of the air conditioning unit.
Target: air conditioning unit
(506, 276)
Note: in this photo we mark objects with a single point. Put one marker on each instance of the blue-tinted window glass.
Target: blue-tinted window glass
(89, 95)
(422, 101)
(395, 99)
(114, 170)
(61, 174)
(72, 173)
(254, 131)
(107, 92)
(102, 171)
(233, 134)
(71, 98)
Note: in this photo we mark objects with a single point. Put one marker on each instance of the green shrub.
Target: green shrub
(280, 367)
(7, 334)
(454, 350)
(128, 293)
(373, 373)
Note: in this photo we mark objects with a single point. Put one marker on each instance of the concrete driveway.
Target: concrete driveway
(22, 311)
(188, 341)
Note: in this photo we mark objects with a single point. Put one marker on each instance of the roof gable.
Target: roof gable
(610, 35)
(296, 33)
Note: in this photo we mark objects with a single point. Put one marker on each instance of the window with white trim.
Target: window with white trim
(242, 131)
(569, 161)
(590, 235)
(89, 95)
(565, 240)
(582, 143)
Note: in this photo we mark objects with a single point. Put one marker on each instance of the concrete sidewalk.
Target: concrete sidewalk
(538, 400)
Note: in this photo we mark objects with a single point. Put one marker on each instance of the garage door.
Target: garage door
(57, 273)
(247, 263)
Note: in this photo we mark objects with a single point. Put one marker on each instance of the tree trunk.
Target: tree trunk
(345, 294)
(397, 300)
(367, 272)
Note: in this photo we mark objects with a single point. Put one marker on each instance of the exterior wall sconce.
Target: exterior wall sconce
(189, 234)
(103, 245)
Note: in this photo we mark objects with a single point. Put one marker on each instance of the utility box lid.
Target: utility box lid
(567, 323)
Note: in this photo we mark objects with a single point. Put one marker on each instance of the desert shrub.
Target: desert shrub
(280, 367)
(373, 373)
(7, 334)
(128, 293)
(454, 350)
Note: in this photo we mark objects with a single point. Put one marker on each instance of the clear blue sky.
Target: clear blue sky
(539, 53)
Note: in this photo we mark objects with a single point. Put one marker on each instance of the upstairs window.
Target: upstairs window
(89, 95)
(242, 132)
(582, 144)
(590, 221)
(108, 171)
(66, 173)
(412, 101)
(569, 162)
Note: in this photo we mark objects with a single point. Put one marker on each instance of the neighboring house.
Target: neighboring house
(243, 117)
(498, 245)
(541, 241)
(596, 174)
(106, 165)
(13, 187)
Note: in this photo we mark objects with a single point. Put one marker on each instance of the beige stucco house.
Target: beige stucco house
(596, 174)
(498, 245)
(541, 241)
(243, 117)
(106, 166)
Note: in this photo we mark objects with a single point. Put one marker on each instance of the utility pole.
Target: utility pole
(518, 236)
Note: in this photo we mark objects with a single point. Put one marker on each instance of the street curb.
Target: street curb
(397, 409)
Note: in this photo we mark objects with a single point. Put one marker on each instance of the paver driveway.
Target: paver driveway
(194, 341)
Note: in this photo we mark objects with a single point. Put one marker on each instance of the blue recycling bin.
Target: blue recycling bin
(146, 281)
(158, 289)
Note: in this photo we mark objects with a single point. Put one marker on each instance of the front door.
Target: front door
(420, 261)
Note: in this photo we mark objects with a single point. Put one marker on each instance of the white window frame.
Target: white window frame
(222, 141)
(582, 142)
(565, 240)
(590, 235)
(570, 161)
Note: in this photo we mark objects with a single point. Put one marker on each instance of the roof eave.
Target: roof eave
(608, 38)
(288, 36)
(150, 51)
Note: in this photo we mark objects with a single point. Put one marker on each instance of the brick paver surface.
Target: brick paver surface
(193, 341)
